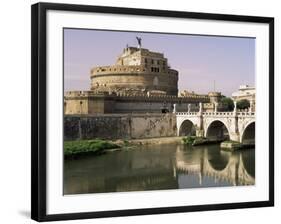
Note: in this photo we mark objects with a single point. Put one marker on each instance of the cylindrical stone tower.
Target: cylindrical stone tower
(137, 70)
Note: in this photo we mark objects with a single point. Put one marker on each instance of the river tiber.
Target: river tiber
(135, 130)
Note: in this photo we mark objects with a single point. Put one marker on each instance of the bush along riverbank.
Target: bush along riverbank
(194, 140)
(73, 149)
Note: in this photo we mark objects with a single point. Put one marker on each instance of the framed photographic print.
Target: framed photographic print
(140, 111)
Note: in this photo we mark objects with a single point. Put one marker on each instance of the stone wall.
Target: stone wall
(139, 79)
(89, 102)
(120, 126)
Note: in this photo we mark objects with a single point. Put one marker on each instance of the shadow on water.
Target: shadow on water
(157, 167)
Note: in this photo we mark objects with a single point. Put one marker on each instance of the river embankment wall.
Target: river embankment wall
(119, 126)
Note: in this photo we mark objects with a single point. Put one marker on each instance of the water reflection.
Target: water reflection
(157, 167)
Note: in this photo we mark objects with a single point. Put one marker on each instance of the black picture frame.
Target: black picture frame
(39, 115)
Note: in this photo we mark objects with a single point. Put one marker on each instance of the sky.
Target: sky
(200, 60)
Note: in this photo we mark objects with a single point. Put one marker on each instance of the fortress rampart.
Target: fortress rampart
(119, 126)
(134, 79)
(71, 94)
(127, 69)
(89, 102)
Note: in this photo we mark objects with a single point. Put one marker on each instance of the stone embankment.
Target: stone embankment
(120, 126)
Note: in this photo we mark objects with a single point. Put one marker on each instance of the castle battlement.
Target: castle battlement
(126, 69)
(137, 96)
(86, 93)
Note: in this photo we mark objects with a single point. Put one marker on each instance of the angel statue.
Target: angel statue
(139, 42)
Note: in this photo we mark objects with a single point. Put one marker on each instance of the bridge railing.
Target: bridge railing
(187, 113)
(246, 114)
(218, 113)
(221, 114)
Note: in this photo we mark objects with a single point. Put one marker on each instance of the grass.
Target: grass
(188, 139)
(73, 149)
(126, 142)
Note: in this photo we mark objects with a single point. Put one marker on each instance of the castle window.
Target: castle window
(145, 60)
(153, 69)
(158, 62)
(152, 61)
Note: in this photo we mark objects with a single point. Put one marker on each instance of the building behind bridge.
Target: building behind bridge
(245, 92)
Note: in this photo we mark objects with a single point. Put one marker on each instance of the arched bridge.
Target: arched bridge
(236, 126)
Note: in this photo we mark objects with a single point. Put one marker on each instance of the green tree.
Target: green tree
(243, 104)
(227, 103)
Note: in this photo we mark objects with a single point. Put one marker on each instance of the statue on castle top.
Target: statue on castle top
(139, 42)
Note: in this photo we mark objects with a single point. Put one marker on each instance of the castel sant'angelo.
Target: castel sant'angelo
(141, 81)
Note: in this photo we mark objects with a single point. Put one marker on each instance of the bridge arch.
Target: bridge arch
(187, 128)
(248, 162)
(248, 135)
(219, 160)
(217, 130)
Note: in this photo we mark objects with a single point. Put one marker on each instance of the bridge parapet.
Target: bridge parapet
(246, 114)
(227, 114)
(187, 113)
